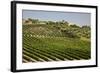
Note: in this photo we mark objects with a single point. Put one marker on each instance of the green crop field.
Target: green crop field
(55, 42)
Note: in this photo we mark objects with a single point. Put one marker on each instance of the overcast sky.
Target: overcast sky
(72, 17)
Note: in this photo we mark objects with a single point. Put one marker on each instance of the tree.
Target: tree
(50, 22)
(26, 21)
(64, 22)
(74, 25)
(35, 21)
(29, 19)
(70, 33)
(86, 27)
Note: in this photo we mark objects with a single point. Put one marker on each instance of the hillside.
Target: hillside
(57, 29)
(55, 41)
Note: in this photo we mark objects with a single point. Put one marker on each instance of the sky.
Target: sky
(72, 17)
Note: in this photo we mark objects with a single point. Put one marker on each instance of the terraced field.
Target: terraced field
(42, 48)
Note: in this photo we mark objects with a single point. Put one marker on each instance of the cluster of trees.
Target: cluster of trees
(57, 22)
(37, 21)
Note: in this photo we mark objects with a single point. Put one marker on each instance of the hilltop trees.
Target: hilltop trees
(50, 22)
(35, 21)
(74, 26)
(69, 32)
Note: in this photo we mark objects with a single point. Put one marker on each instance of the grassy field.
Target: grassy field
(45, 43)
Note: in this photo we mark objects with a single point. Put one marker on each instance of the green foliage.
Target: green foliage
(26, 21)
(69, 33)
(29, 19)
(55, 49)
(74, 26)
(55, 41)
(50, 23)
(35, 21)
(58, 28)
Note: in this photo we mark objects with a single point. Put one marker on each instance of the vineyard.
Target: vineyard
(45, 43)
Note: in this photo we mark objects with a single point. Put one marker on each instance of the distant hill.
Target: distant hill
(57, 29)
(47, 41)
